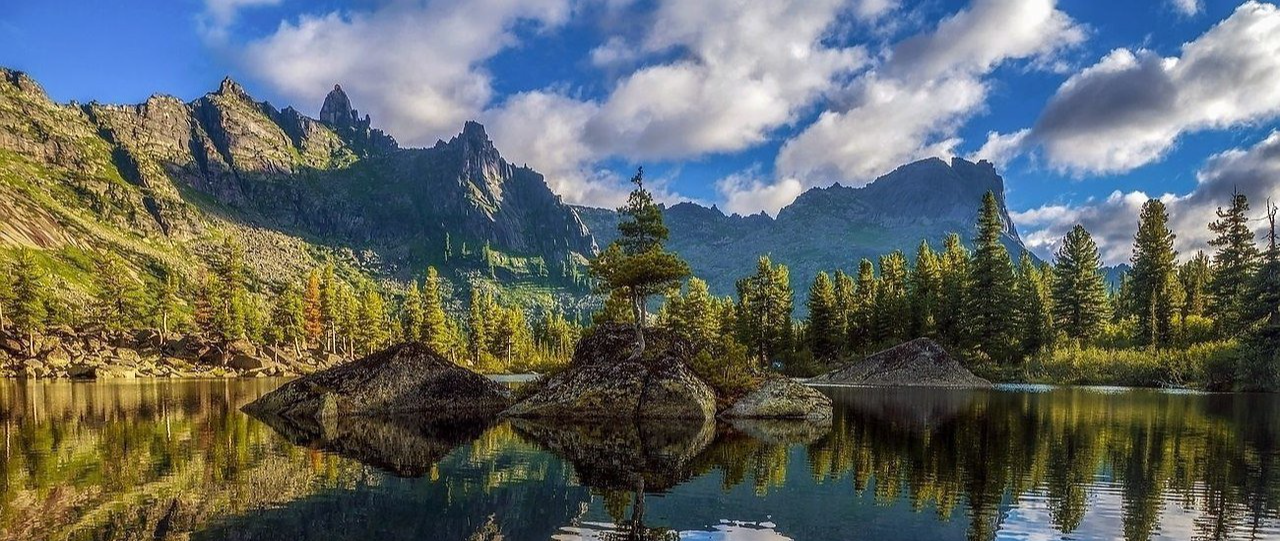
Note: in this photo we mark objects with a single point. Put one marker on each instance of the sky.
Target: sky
(1087, 108)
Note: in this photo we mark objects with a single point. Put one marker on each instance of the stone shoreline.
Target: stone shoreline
(61, 352)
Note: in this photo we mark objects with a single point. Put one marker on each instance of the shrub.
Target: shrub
(1205, 365)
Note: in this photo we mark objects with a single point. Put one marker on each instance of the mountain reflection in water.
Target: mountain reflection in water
(177, 460)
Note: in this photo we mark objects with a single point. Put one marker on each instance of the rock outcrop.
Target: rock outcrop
(781, 398)
(408, 378)
(605, 381)
(918, 363)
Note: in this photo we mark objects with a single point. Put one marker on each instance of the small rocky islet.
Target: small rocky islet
(608, 379)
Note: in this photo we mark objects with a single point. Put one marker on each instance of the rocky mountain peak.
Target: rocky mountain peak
(230, 87)
(21, 81)
(337, 109)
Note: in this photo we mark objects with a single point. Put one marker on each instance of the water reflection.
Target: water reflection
(177, 460)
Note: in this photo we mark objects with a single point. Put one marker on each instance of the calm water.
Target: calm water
(177, 460)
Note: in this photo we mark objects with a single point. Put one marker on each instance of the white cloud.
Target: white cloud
(1001, 148)
(745, 194)
(1131, 107)
(1187, 7)
(871, 10)
(415, 66)
(913, 105)
(219, 15)
(740, 70)
(1254, 171)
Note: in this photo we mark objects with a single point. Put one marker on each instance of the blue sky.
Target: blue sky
(1096, 105)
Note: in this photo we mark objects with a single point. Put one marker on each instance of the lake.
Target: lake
(177, 460)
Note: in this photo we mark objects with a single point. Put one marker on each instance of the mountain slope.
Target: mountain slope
(831, 228)
(162, 180)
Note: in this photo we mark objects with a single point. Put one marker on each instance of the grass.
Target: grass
(1207, 365)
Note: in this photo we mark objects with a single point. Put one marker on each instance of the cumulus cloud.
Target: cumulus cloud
(1254, 171)
(1001, 147)
(745, 193)
(1131, 107)
(912, 105)
(416, 66)
(739, 71)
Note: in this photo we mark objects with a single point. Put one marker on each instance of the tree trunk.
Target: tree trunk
(637, 311)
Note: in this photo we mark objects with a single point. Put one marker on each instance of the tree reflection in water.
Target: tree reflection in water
(176, 460)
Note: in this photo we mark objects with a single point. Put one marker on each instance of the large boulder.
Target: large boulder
(918, 363)
(403, 379)
(781, 398)
(607, 380)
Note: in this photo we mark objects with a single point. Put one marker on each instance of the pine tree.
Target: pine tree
(478, 323)
(860, 323)
(765, 305)
(892, 319)
(1156, 291)
(6, 294)
(311, 307)
(846, 291)
(990, 308)
(1195, 276)
(1079, 291)
(30, 295)
(692, 315)
(119, 297)
(823, 325)
(330, 306)
(289, 319)
(168, 303)
(616, 310)
(437, 331)
(229, 299)
(925, 291)
(954, 277)
(1034, 308)
(411, 313)
(1260, 363)
(372, 331)
(637, 262)
(1235, 262)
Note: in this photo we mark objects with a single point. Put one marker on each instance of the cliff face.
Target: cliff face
(169, 170)
(831, 228)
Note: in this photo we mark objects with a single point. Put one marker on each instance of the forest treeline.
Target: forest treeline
(1212, 320)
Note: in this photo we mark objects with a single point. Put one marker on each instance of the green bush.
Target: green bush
(1205, 365)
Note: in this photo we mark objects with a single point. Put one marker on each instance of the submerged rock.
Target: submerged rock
(405, 378)
(918, 363)
(606, 380)
(781, 398)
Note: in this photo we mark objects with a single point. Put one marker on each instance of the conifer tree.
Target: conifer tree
(846, 291)
(860, 323)
(692, 315)
(990, 307)
(1079, 292)
(1235, 261)
(478, 324)
(638, 262)
(437, 330)
(1196, 275)
(925, 291)
(30, 296)
(289, 319)
(1034, 307)
(954, 277)
(371, 332)
(1260, 363)
(411, 313)
(168, 303)
(616, 310)
(203, 310)
(1156, 291)
(118, 303)
(6, 293)
(892, 319)
(765, 305)
(330, 305)
(312, 308)
(229, 298)
(823, 325)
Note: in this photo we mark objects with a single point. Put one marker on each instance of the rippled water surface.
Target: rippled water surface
(177, 460)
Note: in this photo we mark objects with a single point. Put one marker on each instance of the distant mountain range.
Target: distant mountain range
(163, 181)
(831, 228)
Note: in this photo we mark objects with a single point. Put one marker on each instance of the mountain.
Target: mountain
(831, 228)
(161, 182)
